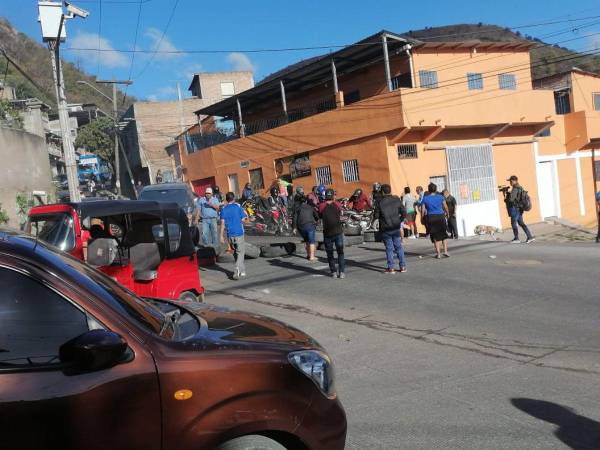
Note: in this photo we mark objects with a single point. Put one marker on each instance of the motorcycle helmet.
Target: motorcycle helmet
(321, 190)
(357, 193)
(329, 194)
(274, 191)
(299, 190)
(376, 187)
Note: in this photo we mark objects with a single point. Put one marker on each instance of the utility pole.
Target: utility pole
(116, 119)
(52, 20)
(181, 120)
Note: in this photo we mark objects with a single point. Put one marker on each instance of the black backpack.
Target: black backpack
(525, 201)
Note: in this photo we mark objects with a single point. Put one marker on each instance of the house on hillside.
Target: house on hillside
(152, 126)
(389, 109)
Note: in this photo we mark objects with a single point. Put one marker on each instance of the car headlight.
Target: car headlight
(318, 367)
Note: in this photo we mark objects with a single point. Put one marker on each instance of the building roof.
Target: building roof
(312, 71)
(475, 43)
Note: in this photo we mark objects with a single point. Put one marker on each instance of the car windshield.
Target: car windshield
(179, 196)
(56, 229)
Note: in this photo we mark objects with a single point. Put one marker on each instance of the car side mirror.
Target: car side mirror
(93, 350)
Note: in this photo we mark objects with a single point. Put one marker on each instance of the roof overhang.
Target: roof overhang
(318, 70)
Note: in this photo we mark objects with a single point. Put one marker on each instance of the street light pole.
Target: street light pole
(52, 19)
(115, 116)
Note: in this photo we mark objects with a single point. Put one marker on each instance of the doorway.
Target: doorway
(234, 184)
(547, 190)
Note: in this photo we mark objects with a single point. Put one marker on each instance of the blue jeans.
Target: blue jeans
(210, 235)
(516, 221)
(308, 233)
(393, 247)
(338, 241)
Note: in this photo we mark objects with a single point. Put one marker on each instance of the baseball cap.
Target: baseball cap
(208, 191)
(512, 178)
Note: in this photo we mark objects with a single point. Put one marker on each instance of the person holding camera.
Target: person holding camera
(516, 199)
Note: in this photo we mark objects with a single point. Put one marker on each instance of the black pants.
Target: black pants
(452, 227)
(338, 241)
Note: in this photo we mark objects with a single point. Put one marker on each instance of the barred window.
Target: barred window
(596, 97)
(507, 81)
(428, 79)
(350, 169)
(407, 151)
(256, 178)
(562, 103)
(323, 175)
(475, 81)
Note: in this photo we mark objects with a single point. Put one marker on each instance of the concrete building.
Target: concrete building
(392, 110)
(152, 126)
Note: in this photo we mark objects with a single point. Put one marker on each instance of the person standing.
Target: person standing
(598, 209)
(217, 194)
(514, 203)
(208, 206)
(247, 192)
(451, 204)
(233, 218)
(408, 201)
(305, 221)
(391, 213)
(159, 177)
(333, 233)
(436, 212)
(313, 198)
(138, 188)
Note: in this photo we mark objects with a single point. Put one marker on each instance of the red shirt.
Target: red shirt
(361, 203)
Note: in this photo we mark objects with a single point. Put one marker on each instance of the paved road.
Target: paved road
(497, 347)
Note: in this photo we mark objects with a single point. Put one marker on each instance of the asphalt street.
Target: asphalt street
(497, 347)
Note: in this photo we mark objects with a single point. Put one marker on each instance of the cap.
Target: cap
(208, 191)
(512, 178)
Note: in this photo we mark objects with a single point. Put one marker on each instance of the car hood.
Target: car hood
(223, 327)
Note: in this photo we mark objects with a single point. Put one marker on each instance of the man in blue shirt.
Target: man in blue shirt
(233, 218)
(209, 213)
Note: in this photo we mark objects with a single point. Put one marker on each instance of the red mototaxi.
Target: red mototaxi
(146, 246)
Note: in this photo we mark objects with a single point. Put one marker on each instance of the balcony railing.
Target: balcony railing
(197, 142)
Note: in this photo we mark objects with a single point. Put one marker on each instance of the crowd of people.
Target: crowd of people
(396, 218)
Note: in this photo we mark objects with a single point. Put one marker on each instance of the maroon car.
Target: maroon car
(86, 364)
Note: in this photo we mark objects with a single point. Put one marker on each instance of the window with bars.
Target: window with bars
(407, 151)
(401, 81)
(596, 98)
(323, 175)
(350, 169)
(562, 103)
(507, 81)
(474, 81)
(428, 79)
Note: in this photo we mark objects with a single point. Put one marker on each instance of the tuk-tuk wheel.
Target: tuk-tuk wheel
(188, 296)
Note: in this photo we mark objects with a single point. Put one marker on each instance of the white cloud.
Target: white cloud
(152, 98)
(240, 61)
(107, 58)
(161, 45)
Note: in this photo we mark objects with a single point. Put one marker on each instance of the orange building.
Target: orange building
(394, 110)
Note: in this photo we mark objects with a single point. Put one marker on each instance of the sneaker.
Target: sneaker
(243, 274)
(515, 241)
(342, 275)
(236, 275)
(389, 271)
(412, 236)
(402, 270)
(446, 255)
(530, 240)
(438, 256)
(334, 275)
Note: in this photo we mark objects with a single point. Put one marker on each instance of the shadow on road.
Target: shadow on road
(578, 432)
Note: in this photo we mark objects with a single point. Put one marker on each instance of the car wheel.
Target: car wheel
(188, 296)
(252, 442)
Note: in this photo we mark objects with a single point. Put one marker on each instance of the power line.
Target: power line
(137, 28)
(160, 40)
(99, 34)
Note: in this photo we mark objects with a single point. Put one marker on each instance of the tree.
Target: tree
(98, 137)
(9, 116)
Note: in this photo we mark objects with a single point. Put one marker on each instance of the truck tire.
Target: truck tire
(251, 442)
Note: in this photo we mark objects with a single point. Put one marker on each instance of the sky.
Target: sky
(231, 30)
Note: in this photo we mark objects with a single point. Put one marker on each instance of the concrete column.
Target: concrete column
(386, 62)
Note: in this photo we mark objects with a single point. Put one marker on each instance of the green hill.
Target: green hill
(545, 59)
(34, 59)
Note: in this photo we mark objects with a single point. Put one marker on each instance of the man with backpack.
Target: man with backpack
(333, 233)
(391, 213)
(517, 201)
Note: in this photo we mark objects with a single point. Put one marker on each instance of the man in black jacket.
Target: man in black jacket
(391, 213)
(333, 233)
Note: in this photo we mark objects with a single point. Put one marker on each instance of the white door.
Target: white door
(234, 185)
(547, 190)
(473, 184)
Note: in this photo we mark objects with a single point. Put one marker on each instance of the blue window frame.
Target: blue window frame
(507, 81)
(428, 79)
(475, 81)
(596, 97)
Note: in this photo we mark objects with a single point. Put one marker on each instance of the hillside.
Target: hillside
(543, 59)
(34, 59)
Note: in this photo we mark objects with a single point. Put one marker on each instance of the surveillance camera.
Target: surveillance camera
(76, 11)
